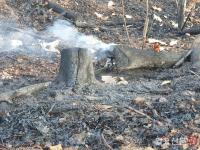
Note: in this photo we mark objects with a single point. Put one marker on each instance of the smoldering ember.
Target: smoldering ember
(117, 75)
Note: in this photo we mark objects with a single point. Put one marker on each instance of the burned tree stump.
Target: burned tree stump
(76, 67)
(195, 57)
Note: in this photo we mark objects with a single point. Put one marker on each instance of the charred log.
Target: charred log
(132, 58)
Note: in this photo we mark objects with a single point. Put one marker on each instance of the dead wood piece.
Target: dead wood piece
(76, 67)
(24, 91)
(83, 24)
(192, 31)
(57, 109)
(132, 58)
(60, 10)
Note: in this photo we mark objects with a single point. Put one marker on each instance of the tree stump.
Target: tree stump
(76, 67)
(195, 57)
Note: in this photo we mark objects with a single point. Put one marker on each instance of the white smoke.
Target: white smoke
(65, 31)
(30, 41)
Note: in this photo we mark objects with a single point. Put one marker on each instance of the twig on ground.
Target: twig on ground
(50, 110)
(181, 61)
(125, 23)
(139, 112)
(146, 24)
(104, 141)
(194, 73)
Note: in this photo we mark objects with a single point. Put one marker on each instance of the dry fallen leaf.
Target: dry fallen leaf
(157, 8)
(103, 107)
(151, 41)
(166, 82)
(120, 138)
(173, 42)
(128, 16)
(174, 24)
(111, 5)
(56, 147)
(157, 18)
(156, 47)
(139, 101)
(101, 16)
(108, 79)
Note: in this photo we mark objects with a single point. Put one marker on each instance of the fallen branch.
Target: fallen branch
(24, 91)
(105, 142)
(139, 112)
(181, 61)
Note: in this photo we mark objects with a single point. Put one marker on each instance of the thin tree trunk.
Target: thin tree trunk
(181, 13)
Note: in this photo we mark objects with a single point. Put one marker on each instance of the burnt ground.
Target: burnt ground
(157, 109)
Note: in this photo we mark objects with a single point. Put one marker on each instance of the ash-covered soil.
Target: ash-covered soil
(157, 109)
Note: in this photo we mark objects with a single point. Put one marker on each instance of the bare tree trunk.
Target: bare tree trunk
(181, 13)
(76, 67)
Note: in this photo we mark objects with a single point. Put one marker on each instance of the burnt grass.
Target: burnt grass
(156, 109)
